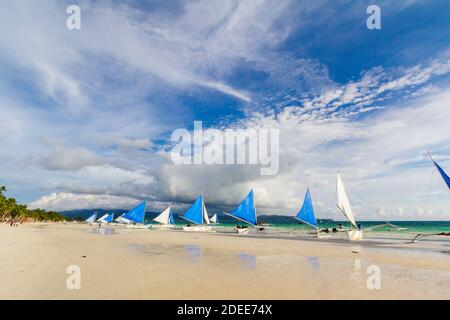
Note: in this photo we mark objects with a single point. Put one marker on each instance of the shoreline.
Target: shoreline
(169, 264)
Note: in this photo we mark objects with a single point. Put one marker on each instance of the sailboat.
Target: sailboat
(103, 217)
(135, 217)
(214, 219)
(106, 218)
(109, 218)
(165, 219)
(91, 219)
(446, 179)
(306, 214)
(245, 212)
(343, 204)
(198, 216)
(441, 171)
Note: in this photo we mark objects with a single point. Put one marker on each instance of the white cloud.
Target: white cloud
(70, 159)
(69, 201)
(373, 87)
(123, 142)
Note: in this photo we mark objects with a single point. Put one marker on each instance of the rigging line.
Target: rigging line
(430, 182)
(365, 205)
(362, 201)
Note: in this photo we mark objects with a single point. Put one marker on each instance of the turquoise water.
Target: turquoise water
(378, 226)
(371, 226)
(289, 224)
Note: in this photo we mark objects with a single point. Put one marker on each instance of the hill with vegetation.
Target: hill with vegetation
(11, 210)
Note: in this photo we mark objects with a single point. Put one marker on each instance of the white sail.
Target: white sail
(205, 215)
(123, 220)
(343, 203)
(213, 219)
(91, 219)
(164, 217)
(102, 218)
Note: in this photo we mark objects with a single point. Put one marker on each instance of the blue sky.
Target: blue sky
(87, 113)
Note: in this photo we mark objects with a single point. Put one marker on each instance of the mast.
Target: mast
(203, 208)
(205, 218)
(254, 205)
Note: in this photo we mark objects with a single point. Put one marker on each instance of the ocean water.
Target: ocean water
(286, 224)
(380, 226)
(369, 226)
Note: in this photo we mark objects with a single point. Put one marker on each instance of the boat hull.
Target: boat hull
(138, 226)
(355, 235)
(198, 229)
(241, 230)
(163, 227)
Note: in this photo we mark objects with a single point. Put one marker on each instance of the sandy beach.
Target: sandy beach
(120, 263)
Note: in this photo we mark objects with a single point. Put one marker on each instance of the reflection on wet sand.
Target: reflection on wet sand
(306, 276)
(248, 261)
(194, 252)
(106, 231)
(314, 263)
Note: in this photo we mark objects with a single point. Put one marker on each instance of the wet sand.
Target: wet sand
(120, 263)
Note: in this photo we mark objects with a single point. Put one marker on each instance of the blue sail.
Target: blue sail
(195, 212)
(136, 214)
(246, 211)
(109, 218)
(443, 174)
(171, 220)
(91, 219)
(306, 213)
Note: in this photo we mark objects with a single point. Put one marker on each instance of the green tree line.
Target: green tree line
(11, 210)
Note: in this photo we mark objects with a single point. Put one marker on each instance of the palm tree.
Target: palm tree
(10, 209)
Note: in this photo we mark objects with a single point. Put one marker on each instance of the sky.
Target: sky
(87, 115)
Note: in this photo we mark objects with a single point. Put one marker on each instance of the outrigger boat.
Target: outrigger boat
(165, 220)
(306, 213)
(198, 216)
(446, 179)
(106, 218)
(246, 212)
(214, 219)
(91, 219)
(355, 233)
(134, 218)
(102, 217)
(389, 225)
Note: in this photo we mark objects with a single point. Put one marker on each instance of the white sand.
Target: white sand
(152, 264)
